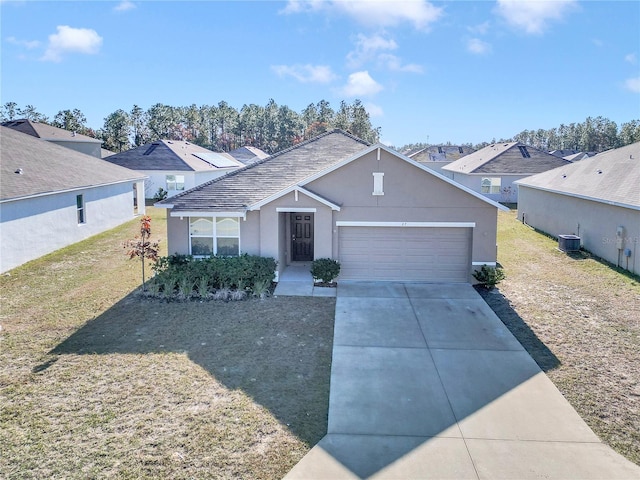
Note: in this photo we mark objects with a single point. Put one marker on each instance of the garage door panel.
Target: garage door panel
(414, 253)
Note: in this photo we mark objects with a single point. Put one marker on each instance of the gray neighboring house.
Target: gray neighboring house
(436, 157)
(248, 154)
(174, 165)
(597, 199)
(59, 136)
(52, 197)
(492, 171)
(382, 215)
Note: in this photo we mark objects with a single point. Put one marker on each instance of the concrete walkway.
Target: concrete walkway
(427, 382)
(296, 281)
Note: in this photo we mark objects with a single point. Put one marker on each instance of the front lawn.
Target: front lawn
(580, 320)
(97, 382)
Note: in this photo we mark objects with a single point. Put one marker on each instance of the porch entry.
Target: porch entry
(301, 237)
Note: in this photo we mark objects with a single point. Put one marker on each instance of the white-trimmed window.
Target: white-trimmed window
(490, 185)
(80, 209)
(378, 183)
(175, 182)
(214, 236)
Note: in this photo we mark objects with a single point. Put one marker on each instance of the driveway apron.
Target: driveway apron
(427, 382)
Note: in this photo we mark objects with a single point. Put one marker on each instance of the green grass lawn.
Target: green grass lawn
(98, 382)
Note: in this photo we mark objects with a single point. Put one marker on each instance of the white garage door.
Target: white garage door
(405, 253)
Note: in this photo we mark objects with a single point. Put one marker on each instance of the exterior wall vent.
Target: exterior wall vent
(568, 243)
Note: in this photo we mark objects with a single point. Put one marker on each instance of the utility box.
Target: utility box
(569, 243)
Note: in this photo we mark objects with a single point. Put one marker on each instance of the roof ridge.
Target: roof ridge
(267, 159)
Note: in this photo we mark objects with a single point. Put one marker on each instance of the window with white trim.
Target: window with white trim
(214, 236)
(175, 182)
(80, 209)
(378, 179)
(490, 185)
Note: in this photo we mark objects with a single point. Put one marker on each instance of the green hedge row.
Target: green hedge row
(219, 278)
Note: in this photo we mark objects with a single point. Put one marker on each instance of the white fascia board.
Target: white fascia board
(293, 188)
(407, 224)
(296, 210)
(68, 190)
(408, 160)
(163, 205)
(488, 264)
(242, 215)
(581, 197)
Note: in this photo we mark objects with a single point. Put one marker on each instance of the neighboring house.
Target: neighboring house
(175, 166)
(493, 170)
(248, 154)
(579, 156)
(436, 157)
(597, 199)
(382, 215)
(106, 153)
(75, 141)
(51, 197)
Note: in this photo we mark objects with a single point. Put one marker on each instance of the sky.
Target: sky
(434, 72)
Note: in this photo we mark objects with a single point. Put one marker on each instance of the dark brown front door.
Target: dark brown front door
(301, 237)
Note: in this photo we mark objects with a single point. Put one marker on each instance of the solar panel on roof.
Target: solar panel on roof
(216, 159)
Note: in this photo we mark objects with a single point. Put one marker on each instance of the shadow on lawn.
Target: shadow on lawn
(501, 306)
(278, 350)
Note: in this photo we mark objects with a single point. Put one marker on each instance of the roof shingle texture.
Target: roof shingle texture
(169, 155)
(611, 176)
(506, 158)
(48, 168)
(247, 186)
(48, 132)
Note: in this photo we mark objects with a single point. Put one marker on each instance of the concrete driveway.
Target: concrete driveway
(427, 382)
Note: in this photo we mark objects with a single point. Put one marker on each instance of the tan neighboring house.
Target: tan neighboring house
(382, 215)
(596, 199)
(436, 157)
(52, 197)
(59, 136)
(492, 171)
(174, 166)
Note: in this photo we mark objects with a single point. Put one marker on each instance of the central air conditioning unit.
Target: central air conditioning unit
(569, 243)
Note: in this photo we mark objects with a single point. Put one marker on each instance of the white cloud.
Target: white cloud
(367, 49)
(360, 84)
(375, 13)
(478, 47)
(124, 6)
(631, 58)
(393, 63)
(374, 111)
(29, 44)
(633, 84)
(533, 16)
(71, 40)
(480, 29)
(306, 73)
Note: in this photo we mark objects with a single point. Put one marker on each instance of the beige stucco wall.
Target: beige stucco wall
(32, 227)
(594, 222)
(410, 195)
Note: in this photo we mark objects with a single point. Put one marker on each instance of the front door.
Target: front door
(302, 237)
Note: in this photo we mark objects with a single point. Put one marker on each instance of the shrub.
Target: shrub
(325, 269)
(161, 194)
(489, 277)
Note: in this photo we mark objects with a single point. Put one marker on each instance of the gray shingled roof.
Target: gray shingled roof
(48, 132)
(248, 154)
(506, 158)
(253, 183)
(48, 168)
(611, 177)
(169, 155)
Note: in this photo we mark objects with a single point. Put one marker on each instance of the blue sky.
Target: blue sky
(458, 71)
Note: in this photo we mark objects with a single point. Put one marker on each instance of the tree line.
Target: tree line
(275, 127)
(218, 127)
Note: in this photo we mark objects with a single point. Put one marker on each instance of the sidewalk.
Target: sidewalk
(427, 382)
